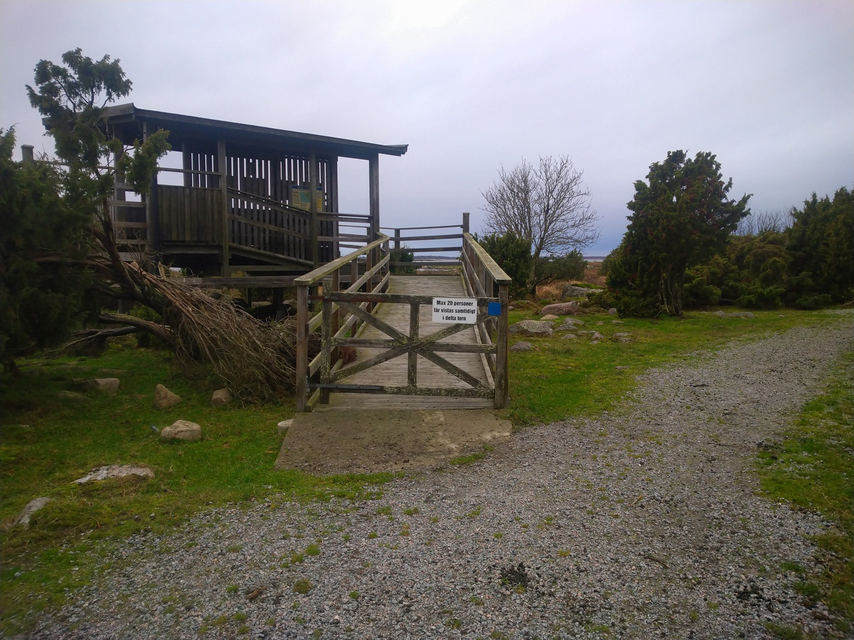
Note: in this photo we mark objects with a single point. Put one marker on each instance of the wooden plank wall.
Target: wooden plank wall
(254, 225)
(272, 178)
(190, 215)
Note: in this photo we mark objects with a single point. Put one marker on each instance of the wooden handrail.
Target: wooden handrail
(497, 273)
(321, 272)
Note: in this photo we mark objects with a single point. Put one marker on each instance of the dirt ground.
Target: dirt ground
(329, 442)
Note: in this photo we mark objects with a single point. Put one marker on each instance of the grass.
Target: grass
(46, 443)
(813, 468)
(565, 378)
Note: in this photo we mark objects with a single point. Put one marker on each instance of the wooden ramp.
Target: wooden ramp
(392, 372)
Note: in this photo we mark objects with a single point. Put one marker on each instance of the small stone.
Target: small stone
(612, 311)
(569, 336)
(622, 368)
(165, 399)
(523, 346)
(32, 506)
(617, 322)
(72, 395)
(221, 397)
(549, 316)
(182, 430)
(284, 425)
(115, 471)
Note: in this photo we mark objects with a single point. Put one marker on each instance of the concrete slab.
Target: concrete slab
(371, 441)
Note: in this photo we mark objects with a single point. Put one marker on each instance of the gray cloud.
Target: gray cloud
(767, 86)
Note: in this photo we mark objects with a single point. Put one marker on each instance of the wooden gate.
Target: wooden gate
(349, 291)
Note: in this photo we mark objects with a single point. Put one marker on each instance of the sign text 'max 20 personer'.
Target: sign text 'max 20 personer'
(455, 310)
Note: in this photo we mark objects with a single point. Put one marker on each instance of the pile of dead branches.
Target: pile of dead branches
(255, 359)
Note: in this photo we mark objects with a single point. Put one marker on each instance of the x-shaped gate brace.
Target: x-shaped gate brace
(399, 344)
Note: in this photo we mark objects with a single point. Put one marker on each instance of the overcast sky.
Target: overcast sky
(767, 86)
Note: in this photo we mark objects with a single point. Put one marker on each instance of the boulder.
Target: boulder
(612, 311)
(31, 507)
(561, 308)
(537, 328)
(569, 324)
(182, 430)
(221, 397)
(572, 291)
(549, 316)
(594, 335)
(104, 385)
(165, 399)
(115, 471)
(523, 346)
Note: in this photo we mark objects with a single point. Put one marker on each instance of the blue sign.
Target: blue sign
(494, 309)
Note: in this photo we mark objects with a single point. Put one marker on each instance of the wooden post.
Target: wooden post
(502, 388)
(302, 347)
(27, 154)
(315, 221)
(325, 339)
(374, 194)
(222, 160)
(412, 364)
(465, 221)
(396, 256)
(332, 186)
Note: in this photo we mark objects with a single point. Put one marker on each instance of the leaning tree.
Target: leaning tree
(254, 358)
(681, 217)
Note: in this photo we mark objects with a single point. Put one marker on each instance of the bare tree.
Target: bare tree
(547, 205)
(760, 222)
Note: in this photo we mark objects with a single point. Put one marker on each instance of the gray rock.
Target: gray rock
(735, 314)
(182, 430)
(549, 316)
(72, 395)
(523, 346)
(561, 308)
(622, 335)
(612, 311)
(569, 324)
(617, 322)
(221, 397)
(594, 335)
(32, 506)
(104, 385)
(569, 336)
(165, 399)
(115, 471)
(536, 328)
(572, 291)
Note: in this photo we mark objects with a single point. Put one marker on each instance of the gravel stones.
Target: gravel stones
(644, 522)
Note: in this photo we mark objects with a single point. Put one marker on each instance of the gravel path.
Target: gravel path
(643, 523)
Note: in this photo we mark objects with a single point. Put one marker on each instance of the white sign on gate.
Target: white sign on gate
(455, 310)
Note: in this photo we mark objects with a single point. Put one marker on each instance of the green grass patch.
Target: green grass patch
(813, 468)
(47, 442)
(564, 378)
